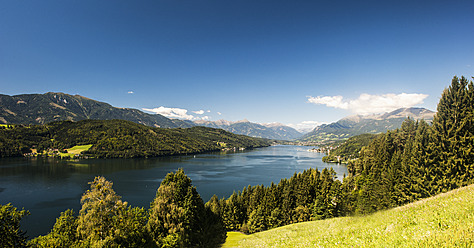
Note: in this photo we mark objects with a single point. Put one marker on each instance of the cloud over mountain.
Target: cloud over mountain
(370, 104)
(306, 126)
(171, 112)
(177, 113)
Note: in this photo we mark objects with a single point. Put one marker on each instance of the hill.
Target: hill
(276, 131)
(445, 220)
(359, 124)
(49, 107)
(350, 149)
(118, 139)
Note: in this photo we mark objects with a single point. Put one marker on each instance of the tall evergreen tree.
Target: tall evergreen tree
(452, 155)
(178, 216)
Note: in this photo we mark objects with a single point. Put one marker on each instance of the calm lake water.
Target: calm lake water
(48, 187)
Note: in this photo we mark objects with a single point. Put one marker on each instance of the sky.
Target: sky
(300, 63)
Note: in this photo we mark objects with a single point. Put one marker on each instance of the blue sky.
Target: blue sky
(266, 61)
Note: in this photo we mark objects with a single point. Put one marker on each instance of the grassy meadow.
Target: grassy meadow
(75, 150)
(445, 220)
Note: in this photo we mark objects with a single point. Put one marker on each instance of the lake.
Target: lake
(48, 187)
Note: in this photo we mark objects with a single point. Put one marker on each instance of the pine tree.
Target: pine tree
(452, 143)
(178, 217)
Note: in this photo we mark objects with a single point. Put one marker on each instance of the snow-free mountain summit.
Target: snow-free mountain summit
(360, 124)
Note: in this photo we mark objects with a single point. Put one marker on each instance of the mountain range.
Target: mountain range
(276, 131)
(360, 124)
(49, 107)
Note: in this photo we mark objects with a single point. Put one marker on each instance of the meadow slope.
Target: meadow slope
(445, 220)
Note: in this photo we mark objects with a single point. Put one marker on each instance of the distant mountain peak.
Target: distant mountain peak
(242, 121)
(415, 113)
(272, 124)
(58, 106)
(245, 127)
(358, 124)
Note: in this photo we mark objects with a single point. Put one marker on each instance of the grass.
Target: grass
(232, 239)
(445, 220)
(75, 150)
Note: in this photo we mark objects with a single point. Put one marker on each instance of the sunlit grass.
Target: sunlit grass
(75, 150)
(446, 220)
(232, 239)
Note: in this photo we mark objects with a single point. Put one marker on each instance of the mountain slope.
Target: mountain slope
(48, 107)
(445, 220)
(358, 124)
(269, 131)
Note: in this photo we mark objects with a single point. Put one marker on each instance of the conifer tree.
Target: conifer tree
(178, 217)
(452, 145)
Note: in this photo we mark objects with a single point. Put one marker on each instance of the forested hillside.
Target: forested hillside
(348, 150)
(119, 139)
(445, 220)
(418, 160)
(401, 166)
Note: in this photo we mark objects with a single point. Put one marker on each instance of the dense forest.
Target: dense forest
(397, 167)
(119, 139)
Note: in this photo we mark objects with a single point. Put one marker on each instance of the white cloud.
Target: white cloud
(171, 112)
(306, 126)
(199, 112)
(219, 113)
(130, 92)
(370, 104)
(178, 113)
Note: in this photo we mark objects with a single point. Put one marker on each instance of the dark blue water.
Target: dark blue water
(48, 187)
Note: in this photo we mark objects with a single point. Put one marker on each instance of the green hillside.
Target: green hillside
(118, 139)
(445, 220)
(349, 149)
